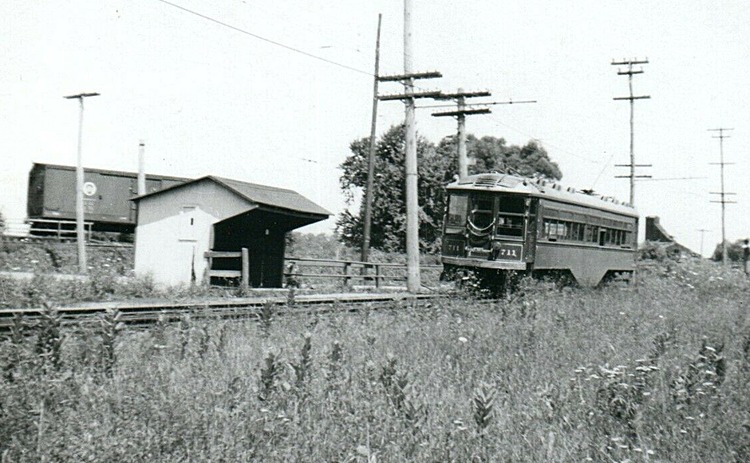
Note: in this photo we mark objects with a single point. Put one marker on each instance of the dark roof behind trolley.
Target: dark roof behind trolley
(506, 183)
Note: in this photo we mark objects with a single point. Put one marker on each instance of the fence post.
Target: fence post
(377, 275)
(245, 268)
(207, 273)
(347, 266)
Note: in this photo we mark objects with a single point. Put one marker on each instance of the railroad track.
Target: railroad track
(147, 313)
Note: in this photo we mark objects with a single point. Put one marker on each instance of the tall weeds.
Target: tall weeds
(608, 375)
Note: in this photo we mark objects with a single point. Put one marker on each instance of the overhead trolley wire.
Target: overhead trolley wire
(259, 37)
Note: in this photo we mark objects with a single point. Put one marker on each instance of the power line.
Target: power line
(546, 143)
(259, 37)
(602, 171)
(671, 178)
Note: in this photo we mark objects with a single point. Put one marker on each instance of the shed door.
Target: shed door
(266, 260)
(187, 225)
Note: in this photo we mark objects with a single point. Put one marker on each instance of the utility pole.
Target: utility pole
(703, 232)
(462, 110)
(371, 152)
(460, 114)
(409, 96)
(80, 231)
(141, 168)
(630, 72)
(722, 194)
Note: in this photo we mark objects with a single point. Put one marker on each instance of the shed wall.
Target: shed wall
(174, 230)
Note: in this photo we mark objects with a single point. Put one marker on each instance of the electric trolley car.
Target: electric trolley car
(499, 226)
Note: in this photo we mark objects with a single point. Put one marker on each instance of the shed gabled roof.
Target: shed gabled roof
(260, 194)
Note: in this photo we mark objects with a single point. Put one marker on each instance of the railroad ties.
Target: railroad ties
(238, 308)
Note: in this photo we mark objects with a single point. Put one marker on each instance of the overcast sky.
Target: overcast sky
(212, 99)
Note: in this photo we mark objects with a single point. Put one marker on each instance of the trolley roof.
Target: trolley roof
(506, 183)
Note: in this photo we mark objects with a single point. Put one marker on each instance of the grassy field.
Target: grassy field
(657, 372)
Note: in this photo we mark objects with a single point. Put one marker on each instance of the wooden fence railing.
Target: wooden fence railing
(347, 270)
(60, 229)
(43, 228)
(297, 268)
(243, 274)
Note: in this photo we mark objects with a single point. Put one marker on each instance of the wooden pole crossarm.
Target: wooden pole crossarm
(629, 62)
(462, 112)
(414, 75)
(453, 96)
(407, 96)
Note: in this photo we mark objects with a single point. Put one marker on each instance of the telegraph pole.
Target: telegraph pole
(722, 194)
(409, 96)
(703, 232)
(460, 114)
(630, 72)
(141, 168)
(462, 110)
(371, 152)
(80, 231)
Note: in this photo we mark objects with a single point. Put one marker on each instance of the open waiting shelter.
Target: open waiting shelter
(178, 227)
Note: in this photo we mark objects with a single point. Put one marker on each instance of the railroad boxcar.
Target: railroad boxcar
(106, 195)
(500, 225)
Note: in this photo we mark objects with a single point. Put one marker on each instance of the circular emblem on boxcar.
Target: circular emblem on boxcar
(89, 189)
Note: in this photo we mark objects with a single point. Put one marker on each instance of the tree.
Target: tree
(437, 166)
(734, 251)
(493, 154)
(389, 204)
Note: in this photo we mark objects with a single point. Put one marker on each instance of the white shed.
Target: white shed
(176, 226)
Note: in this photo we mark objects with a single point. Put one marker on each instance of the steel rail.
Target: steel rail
(147, 313)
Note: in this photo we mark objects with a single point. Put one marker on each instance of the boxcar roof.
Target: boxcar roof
(38, 165)
(541, 188)
(260, 194)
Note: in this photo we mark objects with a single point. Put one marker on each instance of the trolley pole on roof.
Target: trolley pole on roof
(80, 231)
(371, 153)
(722, 194)
(629, 72)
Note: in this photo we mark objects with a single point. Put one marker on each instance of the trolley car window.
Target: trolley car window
(480, 216)
(510, 216)
(457, 207)
(590, 227)
(511, 204)
(509, 225)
